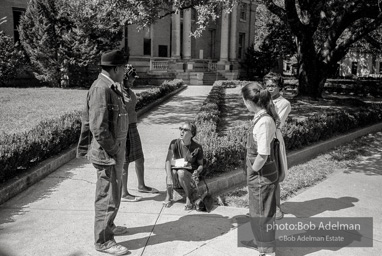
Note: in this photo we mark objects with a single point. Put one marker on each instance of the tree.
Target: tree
(145, 12)
(12, 58)
(325, 30)
(57, 35)
(40, 34)
(273, 40)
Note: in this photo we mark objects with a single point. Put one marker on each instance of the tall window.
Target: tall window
(380, 67)
(162, 51)
(243, 11)
(240, 50)
(354, 67)
(147, 46)
(212, 43)
(194, 14)
(17, 13)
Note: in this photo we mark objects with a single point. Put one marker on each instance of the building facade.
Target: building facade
(361, 64)
(10, 13)
(166, 47)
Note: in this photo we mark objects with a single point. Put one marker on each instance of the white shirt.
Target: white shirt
(283, 109)
(263, 133)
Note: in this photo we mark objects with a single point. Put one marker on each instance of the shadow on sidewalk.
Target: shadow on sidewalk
(193, 227)
(179, 109)
(316, 206)
(354, 239)
(370, 166)
(305, 241)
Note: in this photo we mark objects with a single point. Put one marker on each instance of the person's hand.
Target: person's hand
(169, 181)
(195, 176)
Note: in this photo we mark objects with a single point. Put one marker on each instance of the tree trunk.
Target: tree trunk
(311, 73)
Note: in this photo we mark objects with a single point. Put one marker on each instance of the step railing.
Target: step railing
(212, 66)
(159, 65)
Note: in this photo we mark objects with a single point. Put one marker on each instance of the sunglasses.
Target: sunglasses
(184, 129)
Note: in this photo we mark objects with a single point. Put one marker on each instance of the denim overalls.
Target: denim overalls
(261, 192)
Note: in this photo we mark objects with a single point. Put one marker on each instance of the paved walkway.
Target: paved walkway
(55, 216)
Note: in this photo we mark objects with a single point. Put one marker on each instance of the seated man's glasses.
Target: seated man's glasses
(184, 129)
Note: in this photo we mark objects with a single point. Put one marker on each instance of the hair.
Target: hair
(260, 97)
(192, 127)
(276, 78)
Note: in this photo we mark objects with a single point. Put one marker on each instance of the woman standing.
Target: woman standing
(134, 150)
(262, 170)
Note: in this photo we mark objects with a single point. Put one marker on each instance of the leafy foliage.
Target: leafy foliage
(12, 58)
(273, 40)
(143, 12)
(60, 37)
(41, 36)
(257, 63)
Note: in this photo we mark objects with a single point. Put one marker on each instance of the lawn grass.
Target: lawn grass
(236, 114)
(303, 176)
(23, 108)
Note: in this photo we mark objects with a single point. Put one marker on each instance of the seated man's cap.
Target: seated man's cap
(113, 58)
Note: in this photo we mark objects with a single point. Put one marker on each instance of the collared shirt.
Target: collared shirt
(283, 109)
(263, 132)
(111, 80)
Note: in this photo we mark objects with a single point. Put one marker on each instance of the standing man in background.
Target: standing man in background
(103, 139)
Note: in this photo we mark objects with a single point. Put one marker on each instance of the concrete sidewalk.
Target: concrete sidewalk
(55, 216)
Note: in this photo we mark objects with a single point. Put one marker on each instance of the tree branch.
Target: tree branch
(340, 23)
(292, 16)
(275, 9)
(374, 42)
(340, 50)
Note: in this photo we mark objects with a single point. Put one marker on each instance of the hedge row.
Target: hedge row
(355, 87)
(225, 153)
(21, 151)
(220, 153)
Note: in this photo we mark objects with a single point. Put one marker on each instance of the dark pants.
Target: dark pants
(262, 209)
(108, 199)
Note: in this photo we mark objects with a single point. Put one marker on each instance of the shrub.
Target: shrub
(147, 97)
(21, 151)
(225, 153)
(12, 57)
(208, 117)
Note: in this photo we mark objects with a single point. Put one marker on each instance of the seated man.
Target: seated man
(183, 163)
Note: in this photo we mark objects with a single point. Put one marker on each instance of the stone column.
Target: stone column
(175, 42)
(224, 38)
(233, 39)
(152, 39)
(186, 34)
(223, 62)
